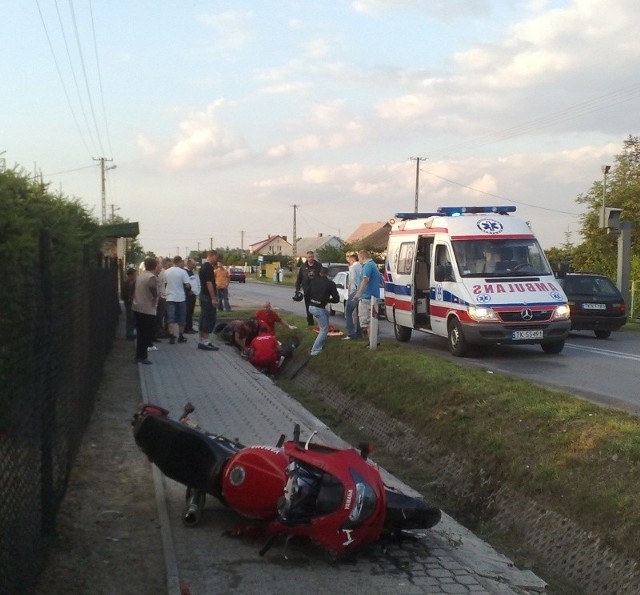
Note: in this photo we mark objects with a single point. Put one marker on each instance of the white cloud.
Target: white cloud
(203, 142)
(232, 26)
(289, 88)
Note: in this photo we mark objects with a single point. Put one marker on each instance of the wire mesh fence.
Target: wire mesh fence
(56, 330)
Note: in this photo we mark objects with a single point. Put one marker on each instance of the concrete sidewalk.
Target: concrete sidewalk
(234, 399)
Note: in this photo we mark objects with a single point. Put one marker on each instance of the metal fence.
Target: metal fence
(52, 350)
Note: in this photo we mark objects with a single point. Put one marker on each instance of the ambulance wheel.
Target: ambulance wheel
(458, 345)
(556, 347)
(402, 333)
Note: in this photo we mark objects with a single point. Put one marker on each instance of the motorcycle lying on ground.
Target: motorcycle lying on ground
(336, 497)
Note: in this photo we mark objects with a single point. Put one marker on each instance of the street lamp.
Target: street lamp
(605, 170)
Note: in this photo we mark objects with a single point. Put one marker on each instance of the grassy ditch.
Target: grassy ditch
(579, 459)
(576, 458)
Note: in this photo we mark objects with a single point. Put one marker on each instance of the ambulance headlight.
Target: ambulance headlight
(562, 312)
(482, 313)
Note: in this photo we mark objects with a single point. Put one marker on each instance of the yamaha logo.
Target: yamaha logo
(526, 314)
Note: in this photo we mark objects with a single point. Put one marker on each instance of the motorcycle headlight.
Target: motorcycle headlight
(482, 313)
(562, 312)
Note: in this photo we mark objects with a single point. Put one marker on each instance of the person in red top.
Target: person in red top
(271, 317)
(264, 353)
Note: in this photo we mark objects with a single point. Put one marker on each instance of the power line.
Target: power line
(99, 71)
(86, 79)
(572, 112)
(500, 197)
(64, 87)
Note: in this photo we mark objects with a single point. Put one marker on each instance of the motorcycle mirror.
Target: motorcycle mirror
(281, 441)
(366, 448)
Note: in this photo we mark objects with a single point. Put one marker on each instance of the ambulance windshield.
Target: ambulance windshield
(499, 258)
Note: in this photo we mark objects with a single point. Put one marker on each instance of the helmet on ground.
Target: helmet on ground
(297, 296)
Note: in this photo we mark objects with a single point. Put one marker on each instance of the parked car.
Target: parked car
(236, 274)
(334, 268)
(342, 283)
(595, 302)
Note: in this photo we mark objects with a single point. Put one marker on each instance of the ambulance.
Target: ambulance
(475, 275)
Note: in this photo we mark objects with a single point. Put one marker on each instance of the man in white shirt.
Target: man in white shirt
(192, 295)
(177, 285)
(351, 310)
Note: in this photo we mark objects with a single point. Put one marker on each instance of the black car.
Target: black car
(595, 302)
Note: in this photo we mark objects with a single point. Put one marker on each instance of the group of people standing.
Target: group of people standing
(319, 290)
(161, 300)
(168, 291)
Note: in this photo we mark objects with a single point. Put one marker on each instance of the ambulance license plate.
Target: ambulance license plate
(526, 335)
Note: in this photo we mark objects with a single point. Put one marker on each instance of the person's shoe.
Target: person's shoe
(207, 347)
(152, 348)
(347, 338)
(190, 332)
(182, 339)
(146, 362)
(314, 353)
(172, 340)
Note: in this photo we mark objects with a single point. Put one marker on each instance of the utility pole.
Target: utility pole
(295, 237)
(417, 160)
(210, 243)
(103, 169)
(114, 208)
(242, 241)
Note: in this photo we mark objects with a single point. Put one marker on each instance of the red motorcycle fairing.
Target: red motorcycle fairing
(333, 496)
(253, 480)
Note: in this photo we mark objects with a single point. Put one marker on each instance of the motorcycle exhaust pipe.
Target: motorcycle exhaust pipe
(193, 509)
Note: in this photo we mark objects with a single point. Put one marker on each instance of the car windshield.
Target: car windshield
(590, 285)
(499, 258)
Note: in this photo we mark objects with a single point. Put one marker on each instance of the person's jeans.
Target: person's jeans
(322, 316)
(223, 299)
(351, 318)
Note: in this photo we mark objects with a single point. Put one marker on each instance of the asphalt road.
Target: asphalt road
(602, 371)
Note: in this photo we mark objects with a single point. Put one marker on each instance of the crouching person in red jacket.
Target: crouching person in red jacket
(264, 353)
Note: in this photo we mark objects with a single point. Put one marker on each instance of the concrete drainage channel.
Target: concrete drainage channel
(556, 542)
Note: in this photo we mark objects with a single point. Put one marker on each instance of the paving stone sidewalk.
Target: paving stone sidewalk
(234, 399)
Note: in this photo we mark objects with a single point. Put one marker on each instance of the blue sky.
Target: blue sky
(219, 116)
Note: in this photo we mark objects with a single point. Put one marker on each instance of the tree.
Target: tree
(598, 251)
(330, 253)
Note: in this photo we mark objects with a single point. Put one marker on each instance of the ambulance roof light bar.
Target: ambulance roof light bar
(416, 215)
(455, 211)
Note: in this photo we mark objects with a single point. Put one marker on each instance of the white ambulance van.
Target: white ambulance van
(475, 275)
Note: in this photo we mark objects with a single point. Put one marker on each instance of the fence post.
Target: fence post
(373, 324)
(47, 409)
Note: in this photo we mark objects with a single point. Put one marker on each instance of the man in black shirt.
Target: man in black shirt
(208, 301)
(321, 291)
(308, 271)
